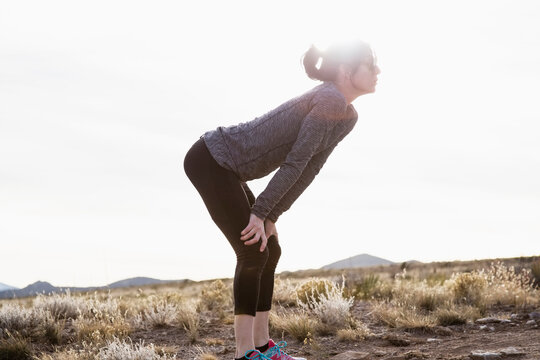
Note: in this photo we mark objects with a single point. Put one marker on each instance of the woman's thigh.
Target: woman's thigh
(222, 193)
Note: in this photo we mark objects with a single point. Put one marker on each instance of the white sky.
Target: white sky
(99, 101)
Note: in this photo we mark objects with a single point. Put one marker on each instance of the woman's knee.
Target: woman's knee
(253, 259)
(274, 251)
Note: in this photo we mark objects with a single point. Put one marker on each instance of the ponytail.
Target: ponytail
(351, 55)
(310, 60)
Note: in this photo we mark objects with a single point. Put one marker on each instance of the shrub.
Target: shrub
(399, 316)
(52, 332)
(312, 289)
(456, 315)
(469, 288)
(189, 318)
(418, 295)
(122, 350)
(205, 356)
(29, 323)
(103, 308)
(155, 312)
(436, 279)
(285, 293)
(216, 297)
(509, 287)
(356, 332)
(329, 306)
(535, 270)
(61, 306)
(429, 298)
(297, 324)
(98, 331)
(100, 319)
(15, 348)
(161, 314)
(367, 286)
(84, 352)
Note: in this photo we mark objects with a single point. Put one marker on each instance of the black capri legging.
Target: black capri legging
(229, 203)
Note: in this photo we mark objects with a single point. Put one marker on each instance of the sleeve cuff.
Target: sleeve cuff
(272, 217)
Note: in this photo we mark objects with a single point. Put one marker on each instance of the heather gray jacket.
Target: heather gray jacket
(297, 136)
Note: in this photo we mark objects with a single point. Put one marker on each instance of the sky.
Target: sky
(100, 101)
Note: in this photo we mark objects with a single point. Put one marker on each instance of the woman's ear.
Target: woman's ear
(344, 73)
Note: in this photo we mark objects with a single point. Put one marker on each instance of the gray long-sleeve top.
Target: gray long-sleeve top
(297, 136)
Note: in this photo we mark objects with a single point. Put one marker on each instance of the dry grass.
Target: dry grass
(156, 313)
(295, 323)
(326, 301)
(396, 315)
(356, 332)
(189, 318)
(285, 293)
(32, 323)
(15, 348)
(126, 350)
(311, 289)
(456, 315)
(216, 297)
(100, 325)
(61, 306)
(97, 331)
(535, 270)
(463, 297)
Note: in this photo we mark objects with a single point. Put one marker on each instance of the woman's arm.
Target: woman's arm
(309, 173)
(315, 126)
(307, 144)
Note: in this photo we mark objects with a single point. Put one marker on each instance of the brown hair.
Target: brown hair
(350, 54)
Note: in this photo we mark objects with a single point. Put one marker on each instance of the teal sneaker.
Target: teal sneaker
(276, 352)
(255, 355)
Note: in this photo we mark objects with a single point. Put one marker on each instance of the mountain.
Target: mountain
(6, 287)
(362, 260)
(139, 281)
(38, 287)
(42, 287)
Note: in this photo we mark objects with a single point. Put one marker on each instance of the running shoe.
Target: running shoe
(255, 355)
(276, 352)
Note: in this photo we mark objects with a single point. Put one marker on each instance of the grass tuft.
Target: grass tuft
(15, 348)
(328, 304)
(296, 323)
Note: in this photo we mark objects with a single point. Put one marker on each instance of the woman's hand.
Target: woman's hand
(254, 231)
(270, 228)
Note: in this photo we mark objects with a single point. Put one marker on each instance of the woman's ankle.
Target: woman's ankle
(263, 348)
(244, 357)
(243, 332)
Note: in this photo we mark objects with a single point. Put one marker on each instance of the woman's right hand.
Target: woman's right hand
(254, 231)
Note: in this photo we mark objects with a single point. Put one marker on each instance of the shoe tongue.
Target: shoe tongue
(271, 343)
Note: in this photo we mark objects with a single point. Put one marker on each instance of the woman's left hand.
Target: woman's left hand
(270, 229)
(254, 231)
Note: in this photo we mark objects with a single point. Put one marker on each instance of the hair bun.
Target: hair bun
(310, 60)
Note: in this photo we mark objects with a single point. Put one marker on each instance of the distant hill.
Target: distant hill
(362, 260)
(137, 281)
(42, 287)
(39, 287)
(6, 287)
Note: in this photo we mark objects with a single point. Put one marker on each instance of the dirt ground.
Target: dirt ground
(448, 343)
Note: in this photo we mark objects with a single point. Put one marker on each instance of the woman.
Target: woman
(297, 137)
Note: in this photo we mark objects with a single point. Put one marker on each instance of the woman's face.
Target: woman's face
(364, 78)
